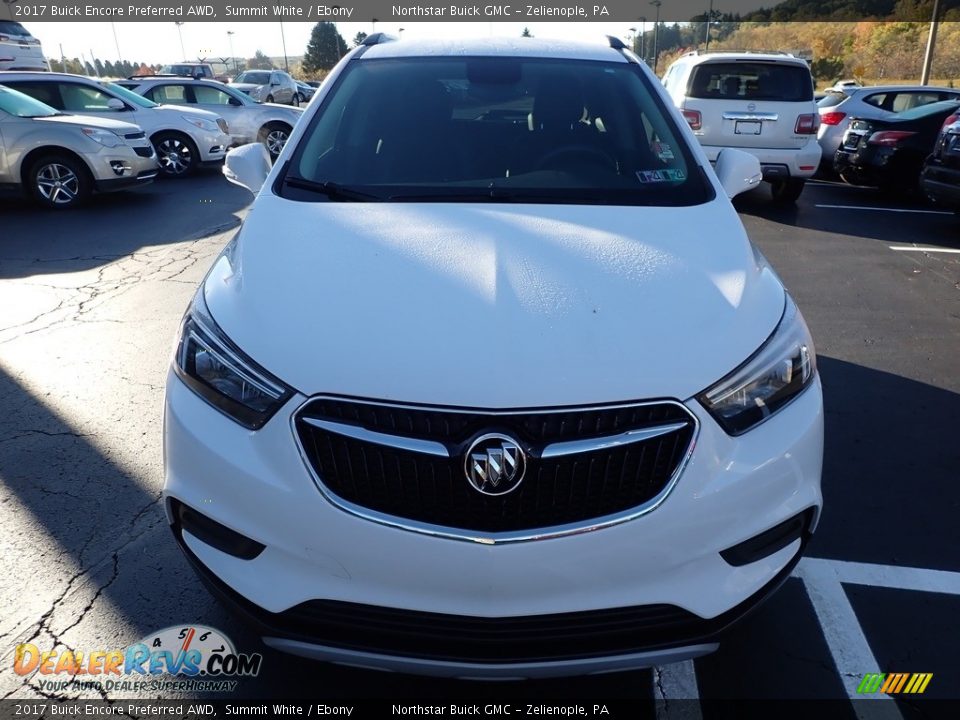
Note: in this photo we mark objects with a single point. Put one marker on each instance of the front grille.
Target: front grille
(144, 151)
(460, 638)
(432, 489)
(135, 136)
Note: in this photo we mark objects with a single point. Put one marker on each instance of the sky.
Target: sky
(159, 42)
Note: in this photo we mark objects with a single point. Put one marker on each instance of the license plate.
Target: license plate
(747, 127)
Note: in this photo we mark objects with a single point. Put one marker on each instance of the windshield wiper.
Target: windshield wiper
(332, 190)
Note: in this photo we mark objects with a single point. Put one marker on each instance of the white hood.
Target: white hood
(496, 306)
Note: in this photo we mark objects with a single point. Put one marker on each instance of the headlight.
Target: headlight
(203, 124)
(779, 371)
(219, 372)
(104, 137)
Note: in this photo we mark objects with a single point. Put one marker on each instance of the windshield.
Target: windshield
(495, 129)
(130, 96)
(922, 111)
(23, 106)
(255, 78)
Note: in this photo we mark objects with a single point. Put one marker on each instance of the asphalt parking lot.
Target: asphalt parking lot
(90, 304)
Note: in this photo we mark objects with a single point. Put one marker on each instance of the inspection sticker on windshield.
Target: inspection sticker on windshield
(655, 176)
(662, 151)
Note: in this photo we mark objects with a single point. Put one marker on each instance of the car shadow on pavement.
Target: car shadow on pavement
(39, 241)
(864, 213)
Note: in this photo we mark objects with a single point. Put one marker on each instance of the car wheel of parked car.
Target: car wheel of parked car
(59, 181)
(176, 152)
(274, 136)
(298, 100)
(269, 99)
(787, 191)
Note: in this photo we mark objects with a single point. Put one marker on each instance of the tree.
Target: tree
(325, 48)
(259, 61)
(359, 38)
(526, 33)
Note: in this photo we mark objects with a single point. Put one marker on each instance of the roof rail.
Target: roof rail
(377, 38)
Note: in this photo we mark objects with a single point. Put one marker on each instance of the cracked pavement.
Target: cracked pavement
(90, 302)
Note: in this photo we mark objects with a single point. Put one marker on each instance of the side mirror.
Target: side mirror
(248, 166)
(233, 101)
(738, 171)
(116, 104)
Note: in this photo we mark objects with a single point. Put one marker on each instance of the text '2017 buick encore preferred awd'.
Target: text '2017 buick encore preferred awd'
(491, 382)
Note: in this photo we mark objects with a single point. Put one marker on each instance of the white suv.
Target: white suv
(472, 392)
(184, 138)
(759, 102)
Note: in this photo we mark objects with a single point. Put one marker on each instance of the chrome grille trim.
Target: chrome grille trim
(497, 538)
(575, 447)
(427, 447)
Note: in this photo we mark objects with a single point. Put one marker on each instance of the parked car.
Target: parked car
(758, 102)
(314, 83)
(19, 50)
(184, 138)
(267, 86)
(890, 153)
(940, 178)
(474, 350)
(249, 121)
(190, 69)
(59, 159)
(304, 92)
(869, 103)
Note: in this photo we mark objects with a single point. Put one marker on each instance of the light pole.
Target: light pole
(633, 38)
(401, 32)
(643, 38)
(116, 42)
(283, 39)
(656, 35)
(179, 23)
(373, 26)
(931, 43)
(230, 35)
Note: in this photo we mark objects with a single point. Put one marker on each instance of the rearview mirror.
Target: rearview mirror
(116, 104)
(738, 171)
(248, 166)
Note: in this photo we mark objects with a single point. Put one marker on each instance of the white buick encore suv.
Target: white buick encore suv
(491, 382)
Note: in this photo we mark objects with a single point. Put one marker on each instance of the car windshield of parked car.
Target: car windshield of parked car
(23, 106)
(495, 130)
(923, 111)
(751, 81)
(254, 78)
(130, 96)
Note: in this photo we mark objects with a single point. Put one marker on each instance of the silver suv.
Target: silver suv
(184, 138)
(758, 102)
(267, 86)
(60, 159)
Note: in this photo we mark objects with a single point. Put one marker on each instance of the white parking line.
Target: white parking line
(913, 248)
(891, 576)
(884, 209)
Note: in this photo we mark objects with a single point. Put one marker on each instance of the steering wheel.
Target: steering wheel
(586, 153)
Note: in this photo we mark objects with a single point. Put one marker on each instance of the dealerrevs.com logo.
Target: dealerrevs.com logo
(184, 657)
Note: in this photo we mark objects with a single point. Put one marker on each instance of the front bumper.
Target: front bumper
(213, 146)
(318, 557)
(123, 167)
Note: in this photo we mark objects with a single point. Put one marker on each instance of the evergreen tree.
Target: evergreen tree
(325, 48)
(526, 33)
(259, 61)
(359, 38)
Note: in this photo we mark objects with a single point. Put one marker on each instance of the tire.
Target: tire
(269, 99)
(274, 136)
(176, 153)
(298, 100)
(786, 192)
(59, 181)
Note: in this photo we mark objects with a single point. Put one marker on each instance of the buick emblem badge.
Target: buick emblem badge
(495, 464)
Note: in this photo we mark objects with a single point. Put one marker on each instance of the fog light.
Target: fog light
(119, 167)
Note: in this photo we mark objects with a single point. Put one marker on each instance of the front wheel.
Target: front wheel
(298, 100)
(59, 181)
(177, 154)
(274, 136)
(786, 192)
(269, 99)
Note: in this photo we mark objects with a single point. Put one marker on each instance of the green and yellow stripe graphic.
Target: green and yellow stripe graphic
(894, 683)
